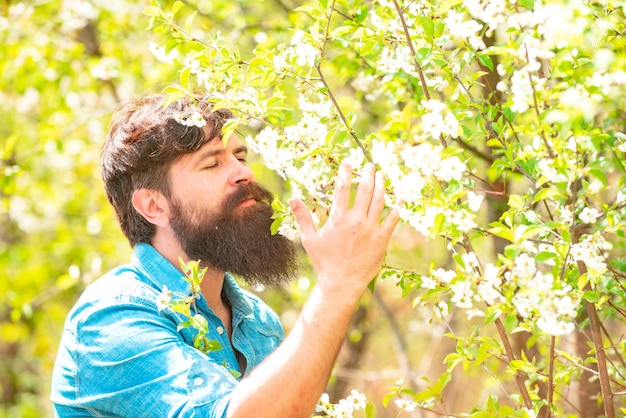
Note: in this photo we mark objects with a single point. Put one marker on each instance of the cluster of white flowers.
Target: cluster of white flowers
(293, 154)
(523, 86)
(246, 100)
(492, 12)
(423, 166)
(489, 286)
(345, 408)
(195, 119)
(438, 277)
(429, 161)
(546, 167)
(396, 58)
(303, 51)
(466, 30)
(540, 297)
(591, 252)
(435, 124)
(289, 229)
(554, 308)
(469, 287)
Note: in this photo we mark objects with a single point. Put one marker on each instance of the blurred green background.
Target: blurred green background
(64, 67)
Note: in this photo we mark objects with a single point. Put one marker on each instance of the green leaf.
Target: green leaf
(545, 193)
(492, 316)
(591, 296)
(177, 6)
(544, 256)
(485, 60)
(501, 230)
(598, 174)
(174, 93)
(189, 21)
(153, 11)
(510, 322)
(276, 223)
(428, 25)
(229, 128)
(447, 5)
(184, 77)
(516, 202)
(361, 14)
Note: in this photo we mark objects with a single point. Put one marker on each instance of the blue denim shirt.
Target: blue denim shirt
(121, 357)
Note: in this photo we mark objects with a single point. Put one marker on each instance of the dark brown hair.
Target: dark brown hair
(143, 140)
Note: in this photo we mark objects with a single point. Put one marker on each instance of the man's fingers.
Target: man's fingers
(390, 221)
(378, 198)
(303, 218)
(341, 195)
(363, 197)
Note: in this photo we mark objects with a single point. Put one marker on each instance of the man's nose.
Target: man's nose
(242, 173)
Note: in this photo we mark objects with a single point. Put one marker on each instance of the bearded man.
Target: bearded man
(183, 193)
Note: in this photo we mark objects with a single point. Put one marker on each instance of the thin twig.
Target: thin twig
(532, 86)
(416, 63)
(332, 96)
(519, 379)
(551, 377)
(596, 337)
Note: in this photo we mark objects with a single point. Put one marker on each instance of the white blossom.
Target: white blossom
(435, 123)
(195, 119)
(467, 30)
(405, 404)
(474, 201)
(161, 54)
(450, 169)
(164, 298)
(305, 53)
(589, 215)
(444, 276)
(489, 287)
(462, 294)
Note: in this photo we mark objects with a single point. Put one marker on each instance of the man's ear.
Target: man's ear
(153, 206)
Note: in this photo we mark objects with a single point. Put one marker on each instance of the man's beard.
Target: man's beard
(240, 243)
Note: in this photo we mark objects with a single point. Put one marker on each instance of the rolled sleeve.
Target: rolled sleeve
(133, 362)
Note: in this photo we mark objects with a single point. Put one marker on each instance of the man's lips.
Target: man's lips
(248, 201)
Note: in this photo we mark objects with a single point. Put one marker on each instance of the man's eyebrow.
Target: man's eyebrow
(240, 148)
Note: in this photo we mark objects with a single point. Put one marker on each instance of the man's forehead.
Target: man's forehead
(216, 142)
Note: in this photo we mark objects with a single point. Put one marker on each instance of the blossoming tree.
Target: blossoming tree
(499, 126)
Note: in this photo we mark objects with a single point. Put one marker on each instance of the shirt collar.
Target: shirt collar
(236, 296)
(160, 272)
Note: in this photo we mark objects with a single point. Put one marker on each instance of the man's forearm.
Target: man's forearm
(290, 381)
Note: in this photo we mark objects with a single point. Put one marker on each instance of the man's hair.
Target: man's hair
(143, 141)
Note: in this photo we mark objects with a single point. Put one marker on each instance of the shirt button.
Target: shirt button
(198, 381)
(220, 330)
